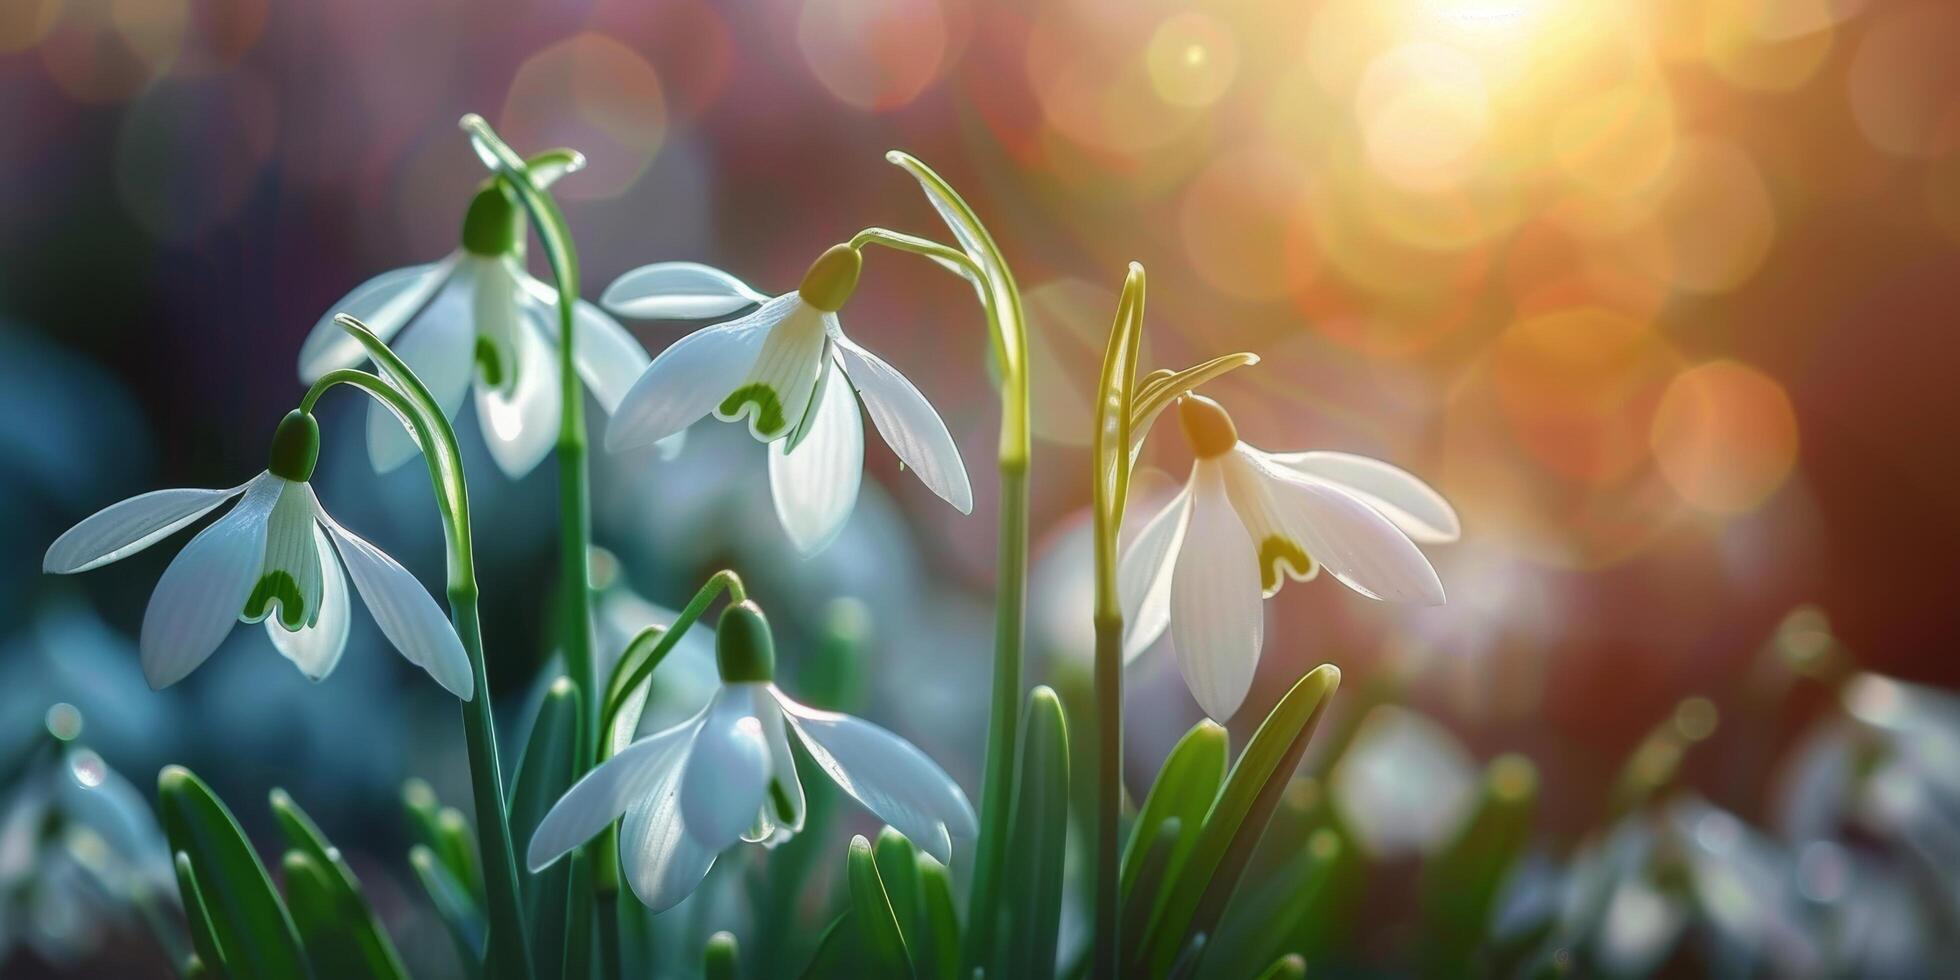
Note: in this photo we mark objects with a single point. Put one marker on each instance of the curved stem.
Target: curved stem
(508, 951)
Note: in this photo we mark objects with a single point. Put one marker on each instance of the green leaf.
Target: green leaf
(721, 960)
(1461, 882)
(1185, 788)
(1140, 901)
(253, 928)
(362, 929)
(456, 845)
(939, 946)
(1038, 833)
(840, 951)
(898, 870)
(545, 770)
(1292, 966)
(454, 905)
(871, 909)
(1210, 873)
(331, 939)
(204, 938)
(1302, 903)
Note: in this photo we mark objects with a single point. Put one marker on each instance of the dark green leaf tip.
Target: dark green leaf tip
(295, 447)
(744, 648)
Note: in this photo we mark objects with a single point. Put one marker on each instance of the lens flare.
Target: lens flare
(1725, 436)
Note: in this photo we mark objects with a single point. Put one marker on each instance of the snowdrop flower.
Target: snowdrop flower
(788, 367)
(276, 557)
(1249, 519)
(727, 774)
(477, 315)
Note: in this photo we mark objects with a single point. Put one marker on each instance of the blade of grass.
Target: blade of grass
(252, 925)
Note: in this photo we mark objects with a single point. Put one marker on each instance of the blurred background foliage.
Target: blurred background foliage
(1659, 294)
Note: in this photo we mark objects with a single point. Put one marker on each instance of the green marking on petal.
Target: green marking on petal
(281, 587)
(769, 418)
(1275, 553)
(489, 362)
(780, 797)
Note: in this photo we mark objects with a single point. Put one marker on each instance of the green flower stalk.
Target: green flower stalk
(404, 394)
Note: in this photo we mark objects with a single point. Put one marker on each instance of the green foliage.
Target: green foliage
(1206, 879)
(208, 960)
(545, 770)
(1038, 834)
(254, 932)
(1183, 792)
(721, 960)
(354, 922)
(1460, 883)
(879, 935)
(458, 909)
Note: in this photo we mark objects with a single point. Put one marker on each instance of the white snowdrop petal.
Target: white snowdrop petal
(678, 291)
(669, 449)
(1408, 502)
(289, 583)
(780, 386)
(663, 863)
(691, 378)
(123, 529)
(1343, 532)
(1276, 537)
(782, 767)
(520, 417)
(609, 360)
(1143, 574)
(385, 303)
(727, 774)
(816, 486)
(908, 424)
(634, 773)
(440, 347)
(407, 614)
(1217, 623)
(889, 775)
(316, 649)
(199, 597)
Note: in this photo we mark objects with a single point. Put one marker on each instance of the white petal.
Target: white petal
(1143, 575)
(1217, 623)
(609, 359)
(123, 529)
(779, 389)
(663, 863)
(1363, 549)
(1413, 506)
(727, 774)
(440, 347)
(678, 291)
(632, 774)
(520, 418)
(316, 649)
(289, 583)
(889, 775)
(201, 593)
(669, 449)
(908, 424)
(816, 486)
(782, 768)
(384, 303)
(689, 379)
(407, 614)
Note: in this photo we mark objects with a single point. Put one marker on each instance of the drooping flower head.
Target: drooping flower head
(277, 557)
(1246, 521)
(727, 775)
(477, 319)
(789, 369)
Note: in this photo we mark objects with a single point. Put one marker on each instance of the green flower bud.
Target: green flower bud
(494, 223)
(832, 278)
(295, 447)
(744, 649)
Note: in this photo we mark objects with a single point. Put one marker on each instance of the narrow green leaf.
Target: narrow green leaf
(253, 928)
(420, 805)
(545, 770)
(363, 928)
(456, 845)
(722, 958)
(898, 870)
(1184, 790)
(1461, 882)
(1299, 896)
(454, 905)
(883, 944)
(939, 956)
(1038, 833)
(1141, 900)
(1210, 872)
(1292, 966)
(204, 938)
(840, 951)
(331, 941)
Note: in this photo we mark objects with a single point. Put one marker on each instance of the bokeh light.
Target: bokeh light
(873, 54)
(594, 93)
(1725, 436)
